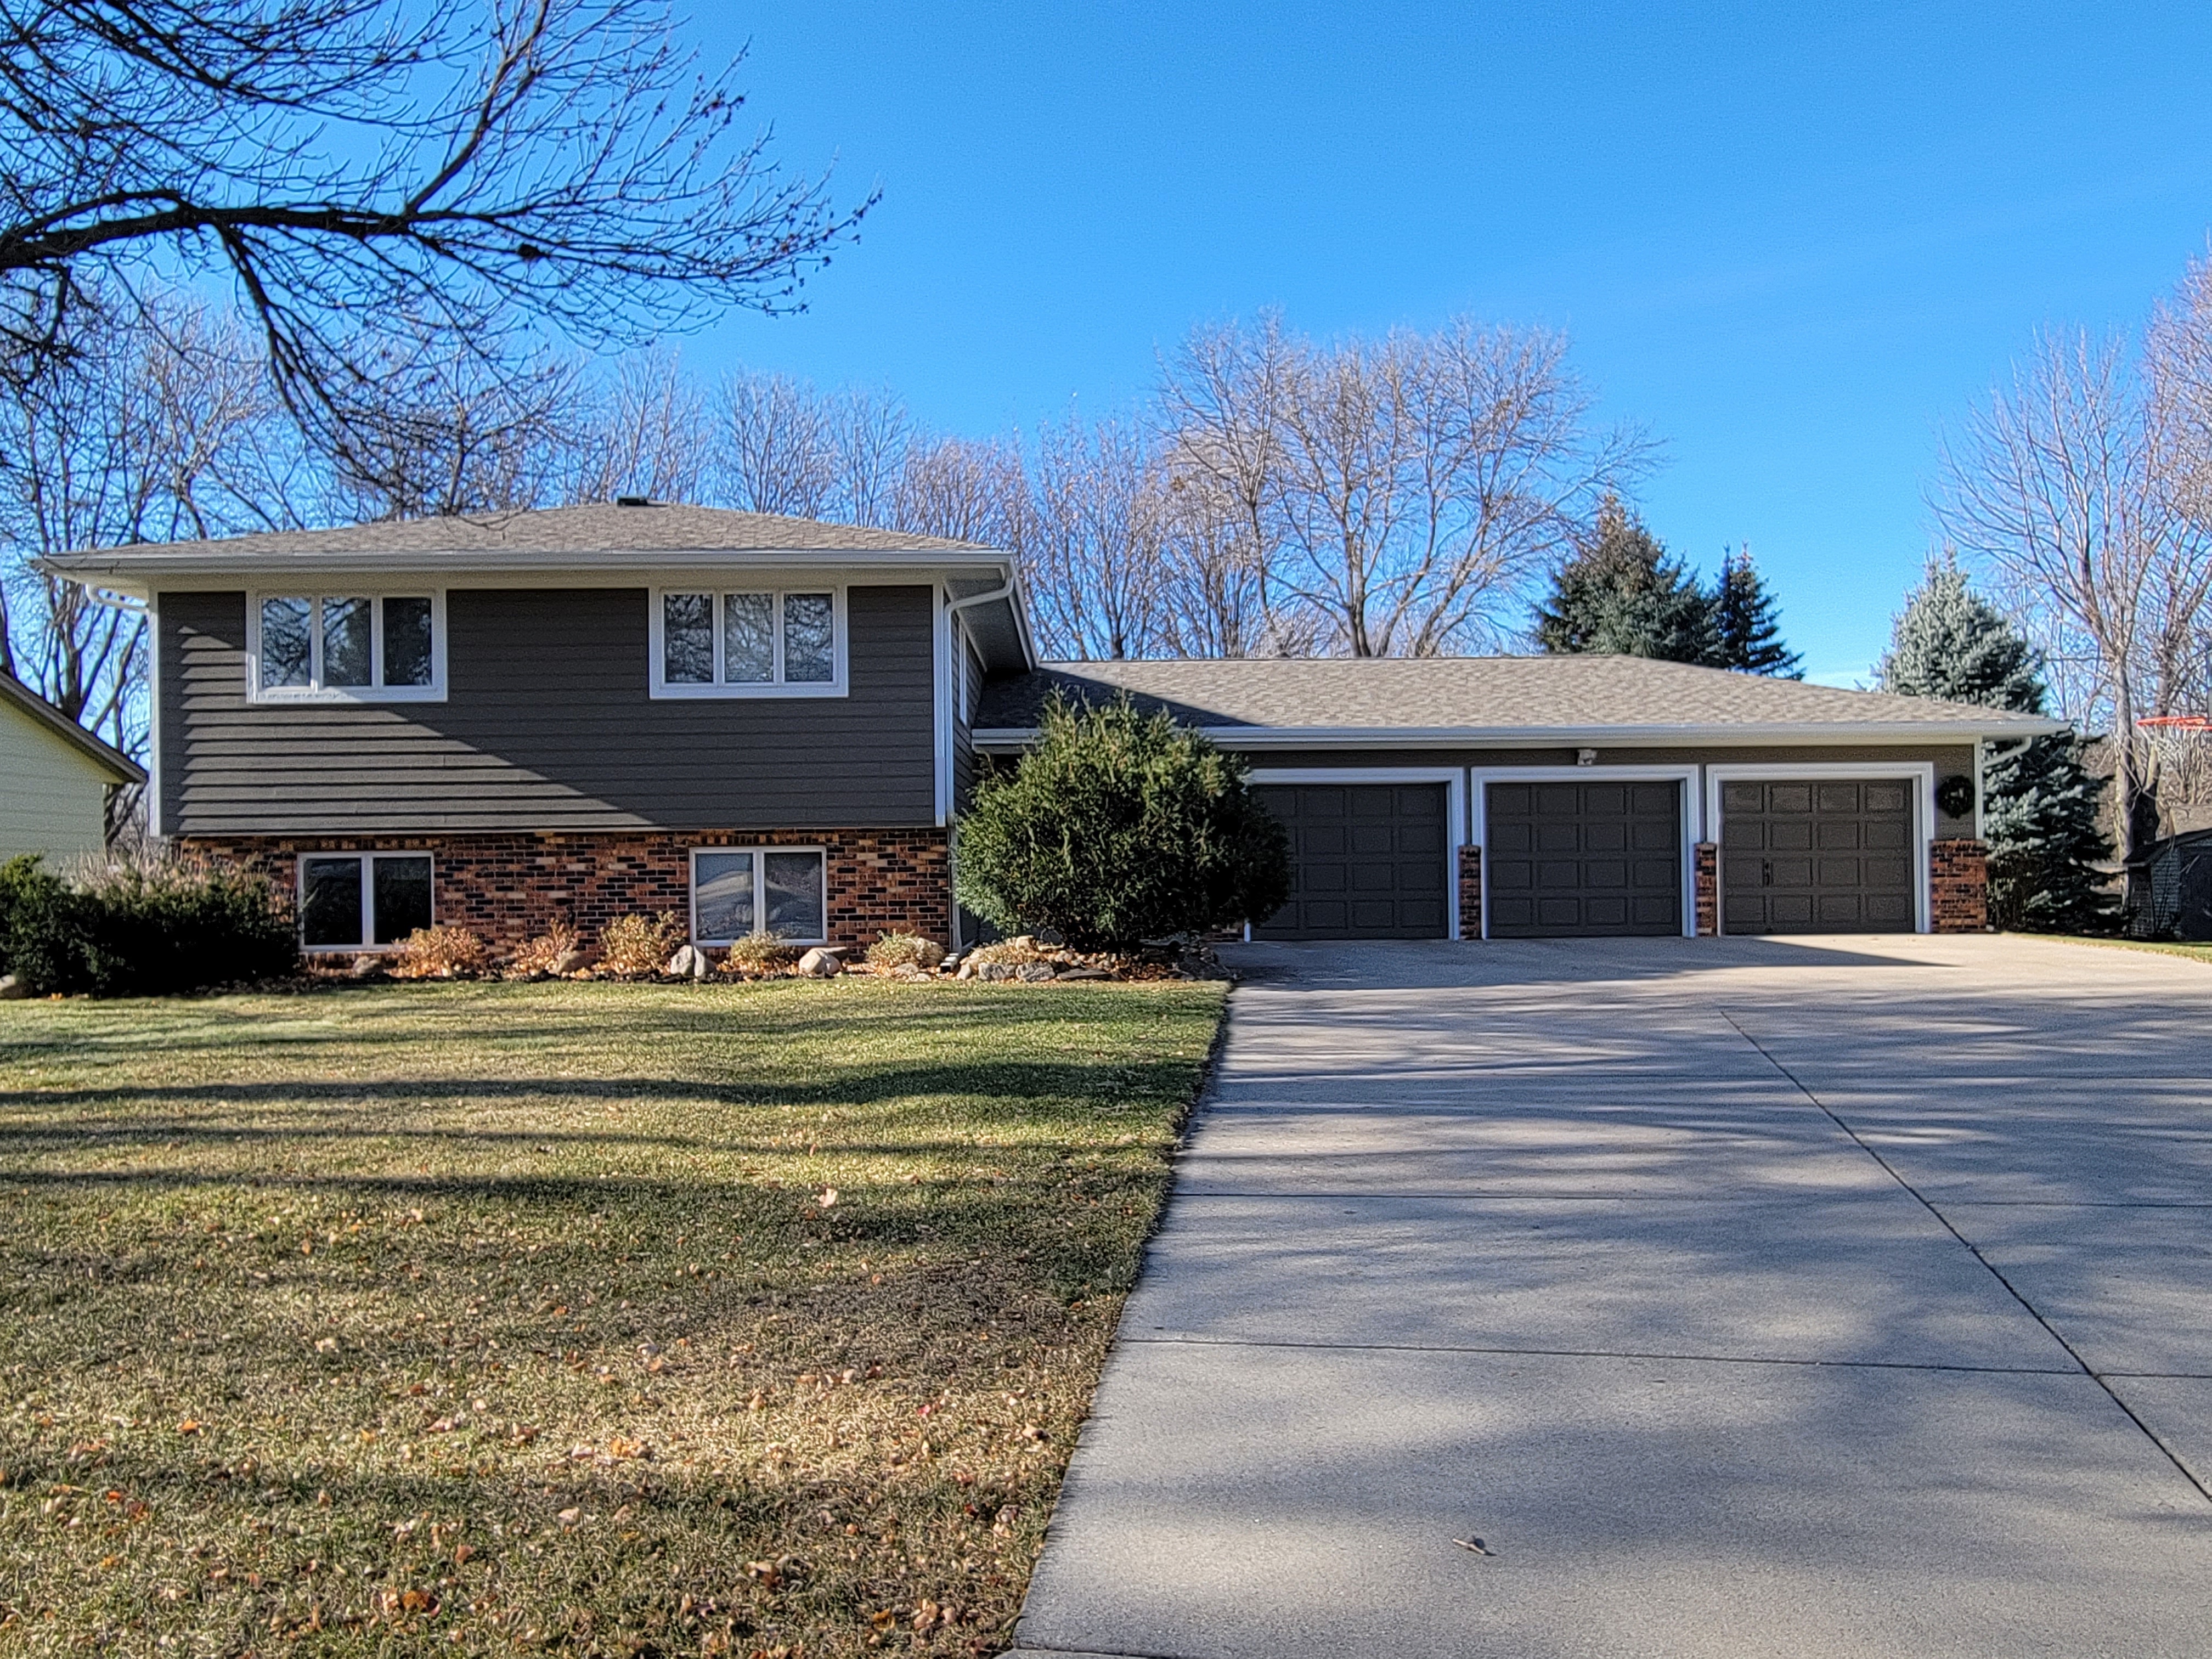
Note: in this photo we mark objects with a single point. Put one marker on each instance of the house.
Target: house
(58, 777)
(755, 722)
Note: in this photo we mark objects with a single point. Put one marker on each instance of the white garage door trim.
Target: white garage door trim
(1454, 779)
(1483, 776)
(1922, 773)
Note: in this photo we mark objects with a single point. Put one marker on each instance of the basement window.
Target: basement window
(362, 901)
(740, 890)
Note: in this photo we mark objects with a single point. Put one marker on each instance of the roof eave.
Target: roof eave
(129, 570)
(1732, 735)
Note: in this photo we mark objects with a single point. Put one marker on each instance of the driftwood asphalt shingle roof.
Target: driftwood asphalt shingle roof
(1508, 697)
(556, 534)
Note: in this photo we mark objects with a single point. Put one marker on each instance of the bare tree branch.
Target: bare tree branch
(352, 162)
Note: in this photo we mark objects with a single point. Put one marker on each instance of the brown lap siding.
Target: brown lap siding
(508, 888)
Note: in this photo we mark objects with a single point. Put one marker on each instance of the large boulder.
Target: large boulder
(821, 963)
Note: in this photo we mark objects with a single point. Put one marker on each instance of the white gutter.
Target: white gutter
(1734, 734)
(207, 563)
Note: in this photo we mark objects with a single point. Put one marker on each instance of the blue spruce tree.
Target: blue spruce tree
(2041, 808)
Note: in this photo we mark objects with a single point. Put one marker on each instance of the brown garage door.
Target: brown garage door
(1816, 856)
(1367, 861)
(1567, 859)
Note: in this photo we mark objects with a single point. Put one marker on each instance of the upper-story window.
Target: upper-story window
(768, 642)
(336, 647)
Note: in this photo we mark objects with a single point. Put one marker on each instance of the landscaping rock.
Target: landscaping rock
(1082, 973)
(968, 970)
(685, 964)
(929, 953)
(1033, 973)
(820, 964)
(12, 990)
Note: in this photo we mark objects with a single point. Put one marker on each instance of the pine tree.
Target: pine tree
(1747, 633)
(1622, 594)
(2041, 807)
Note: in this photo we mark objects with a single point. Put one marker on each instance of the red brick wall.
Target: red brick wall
(1470, 891)
(1958, 883)
(1708, 893)
(508, 888)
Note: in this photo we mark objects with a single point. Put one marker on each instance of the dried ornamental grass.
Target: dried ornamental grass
(897, 950)
(440, 953)
(537, 956)
(639, 945)
(759, 952)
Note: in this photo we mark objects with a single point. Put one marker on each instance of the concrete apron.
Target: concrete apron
(1740, 1298)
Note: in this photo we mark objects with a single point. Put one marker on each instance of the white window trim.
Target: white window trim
(368, 944)
(1922, 773)
(434, 692)
(1454, 778)
(760, 887)
(1482, 776)
(836, 686)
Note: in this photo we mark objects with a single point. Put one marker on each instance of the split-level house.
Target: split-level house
(753, 722)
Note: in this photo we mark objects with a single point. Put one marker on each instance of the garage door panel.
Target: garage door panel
(1608, 858)
(1367, 861)
(1817, 855)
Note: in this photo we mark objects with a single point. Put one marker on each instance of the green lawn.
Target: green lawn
(604, 1318)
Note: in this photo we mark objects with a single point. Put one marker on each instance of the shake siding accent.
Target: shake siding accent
(548, 725)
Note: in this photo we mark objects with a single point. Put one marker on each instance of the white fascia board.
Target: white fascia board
(1735, 735)
(211, 567)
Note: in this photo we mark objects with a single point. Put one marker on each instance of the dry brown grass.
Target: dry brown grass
(602, 1318)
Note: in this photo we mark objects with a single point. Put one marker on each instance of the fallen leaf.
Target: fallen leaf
(191, 1425)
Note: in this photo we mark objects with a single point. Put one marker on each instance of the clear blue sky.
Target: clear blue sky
(1794, 246)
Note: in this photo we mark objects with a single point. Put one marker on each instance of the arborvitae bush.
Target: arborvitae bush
(1119, 827)
(136, 929)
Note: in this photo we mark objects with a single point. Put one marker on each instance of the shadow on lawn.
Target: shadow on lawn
(991, 1090)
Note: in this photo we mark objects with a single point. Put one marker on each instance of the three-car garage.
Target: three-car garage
(1574, 796)
(1599, 852)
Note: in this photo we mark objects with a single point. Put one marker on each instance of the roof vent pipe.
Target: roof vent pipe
(633, 501)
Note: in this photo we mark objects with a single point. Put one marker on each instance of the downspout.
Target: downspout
(1005, 591)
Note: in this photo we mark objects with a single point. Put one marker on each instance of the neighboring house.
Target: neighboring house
(505, 721)
(55, 778)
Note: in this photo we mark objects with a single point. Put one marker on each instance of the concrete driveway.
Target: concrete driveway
(1847, 1297)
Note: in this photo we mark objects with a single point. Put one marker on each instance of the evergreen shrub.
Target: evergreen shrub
(140, 929)
(1118, 827)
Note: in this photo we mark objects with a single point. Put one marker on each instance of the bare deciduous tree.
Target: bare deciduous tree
(644, 434)
(165, 429)
(963, 489)
(456, 432)
(1092, 554)
(2061, 485)
(351, 162)
(1399, 494)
